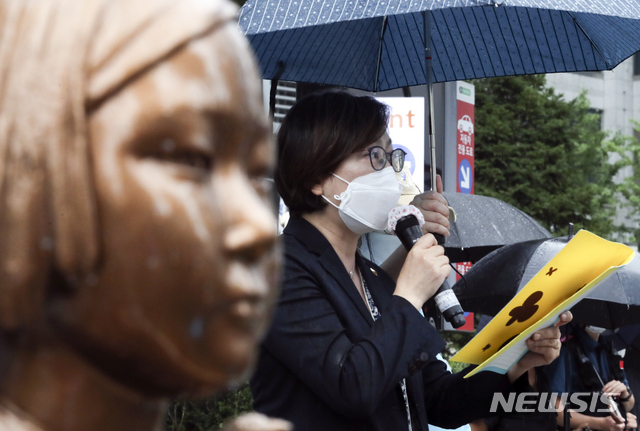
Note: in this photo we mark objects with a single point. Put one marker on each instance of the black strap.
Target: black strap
(587, 371)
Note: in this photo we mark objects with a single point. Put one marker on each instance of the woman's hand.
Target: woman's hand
(582, 427)
(435, 210)
(632, 421)
(253, 421)
(616, 388)
(608, 423)
(544, 346)
(424, 270)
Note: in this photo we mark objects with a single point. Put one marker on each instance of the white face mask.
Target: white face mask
(595, 329)
(365, 205)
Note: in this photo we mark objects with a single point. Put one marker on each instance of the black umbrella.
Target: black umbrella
(484, 224)
(627, 337)
(496, 279)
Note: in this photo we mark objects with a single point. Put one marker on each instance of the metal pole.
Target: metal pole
(428, 103)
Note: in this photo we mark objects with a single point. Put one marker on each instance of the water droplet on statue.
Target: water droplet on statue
(197, 328)
(153, 262)
(46, 243)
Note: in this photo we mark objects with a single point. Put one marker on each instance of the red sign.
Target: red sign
(468, 326)
(465, 147)
(462, 268)
(465, 156)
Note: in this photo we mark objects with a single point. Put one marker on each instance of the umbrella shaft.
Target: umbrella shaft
(429, 101)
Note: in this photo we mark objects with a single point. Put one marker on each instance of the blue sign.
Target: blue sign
(465, 176)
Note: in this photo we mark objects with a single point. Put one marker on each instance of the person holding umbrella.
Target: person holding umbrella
(348, 348)
(593, 369)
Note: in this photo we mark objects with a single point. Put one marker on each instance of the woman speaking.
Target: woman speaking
(348, 348)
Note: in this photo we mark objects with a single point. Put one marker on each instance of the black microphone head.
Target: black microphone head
(408, 230)
(406, 222)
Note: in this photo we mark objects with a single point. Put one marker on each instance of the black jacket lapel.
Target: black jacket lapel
(318, 244)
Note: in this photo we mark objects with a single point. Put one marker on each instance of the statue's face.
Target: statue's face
(187, 275)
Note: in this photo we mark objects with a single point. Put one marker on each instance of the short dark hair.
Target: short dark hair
(318, 133)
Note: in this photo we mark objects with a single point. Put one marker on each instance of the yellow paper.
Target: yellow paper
(576, 269)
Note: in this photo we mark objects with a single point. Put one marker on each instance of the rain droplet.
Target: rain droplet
(91, 279)
(153, 262)
(46, 243)
(197, 328)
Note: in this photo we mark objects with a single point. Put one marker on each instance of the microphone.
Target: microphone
(409, 232)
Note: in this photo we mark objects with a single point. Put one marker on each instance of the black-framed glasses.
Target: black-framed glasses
(379, 157)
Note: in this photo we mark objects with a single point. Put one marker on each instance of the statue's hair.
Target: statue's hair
(59, 61)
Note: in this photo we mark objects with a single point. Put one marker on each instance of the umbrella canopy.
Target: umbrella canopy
(495, 279)
(484, 224)
(627, 336)
(379, 44)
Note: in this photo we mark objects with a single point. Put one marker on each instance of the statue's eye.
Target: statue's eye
(192, 159)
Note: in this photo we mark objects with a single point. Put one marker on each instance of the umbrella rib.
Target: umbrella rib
(589, 38)
(591, 61)
(380, 43)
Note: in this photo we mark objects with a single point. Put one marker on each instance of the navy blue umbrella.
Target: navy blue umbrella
(377, 45)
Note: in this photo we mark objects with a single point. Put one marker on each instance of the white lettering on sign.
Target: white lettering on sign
(464, 172)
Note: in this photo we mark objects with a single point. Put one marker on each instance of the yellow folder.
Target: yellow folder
(577, 269)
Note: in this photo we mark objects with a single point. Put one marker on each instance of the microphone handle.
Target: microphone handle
(444, 298)
(449, 306)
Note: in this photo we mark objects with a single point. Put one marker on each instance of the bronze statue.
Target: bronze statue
(137, 256)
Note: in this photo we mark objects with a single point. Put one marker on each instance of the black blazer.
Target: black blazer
(326, 365)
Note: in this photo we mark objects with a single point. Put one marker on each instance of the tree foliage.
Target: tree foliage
(547, 156)
(208, 414)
